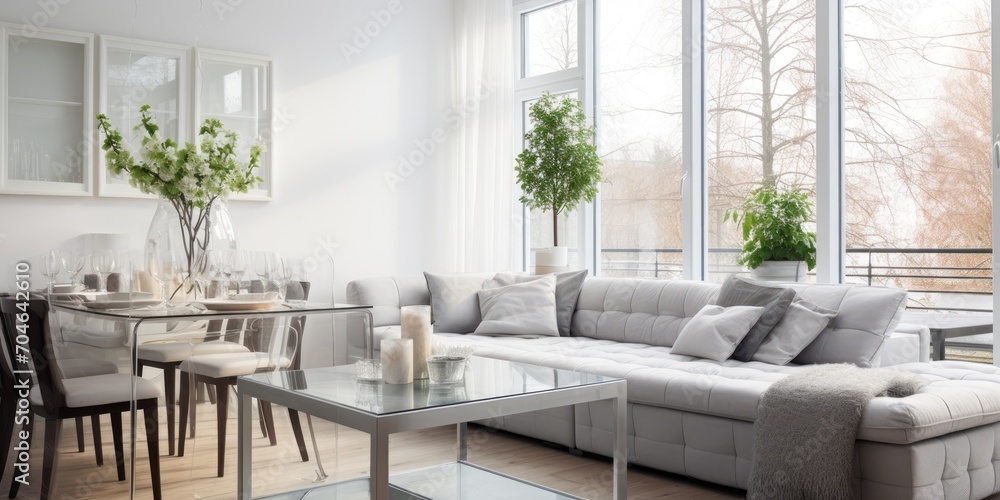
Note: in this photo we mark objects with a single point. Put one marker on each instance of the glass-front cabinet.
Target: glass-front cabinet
(49, 144)
(133, 73)
(236, 89)
(47, 126)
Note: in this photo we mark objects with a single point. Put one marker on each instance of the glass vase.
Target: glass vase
(178, 259)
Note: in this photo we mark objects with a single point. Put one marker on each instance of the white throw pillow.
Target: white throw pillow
(715, 331)
(802, 323)
(526, 309)
(568, 286)
(454, 303)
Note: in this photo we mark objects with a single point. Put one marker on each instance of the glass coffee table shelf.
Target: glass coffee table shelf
(452, 481)
(492, 388)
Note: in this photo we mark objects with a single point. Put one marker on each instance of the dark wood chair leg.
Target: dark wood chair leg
(195, 398)
(261, 420)
(30, 429)
(95, 425)
(116, 430)
(151, 416)
(185, 405)
(79, 434)
(52, 428)
(169, 385)
(210, 391)
(222, 410)
(8, 409)
(297, 430)
(265, 409)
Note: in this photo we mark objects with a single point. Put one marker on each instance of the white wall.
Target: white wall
(341, 124)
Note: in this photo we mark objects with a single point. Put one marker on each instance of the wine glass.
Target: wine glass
(293, 270)
(163, 264)
(73, 263)
(51, 264)
(224, 266)
(281, 273)
(239, 262)
(207, 271)
(263, 270)
(104, 262)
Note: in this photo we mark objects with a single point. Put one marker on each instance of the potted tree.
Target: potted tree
(777, 245)
(559, 166)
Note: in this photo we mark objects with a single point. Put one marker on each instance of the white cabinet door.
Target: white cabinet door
(236, 89)
(48, 114)
(133, 73)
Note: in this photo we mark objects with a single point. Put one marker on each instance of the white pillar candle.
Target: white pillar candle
(415, 323)
(397, 361)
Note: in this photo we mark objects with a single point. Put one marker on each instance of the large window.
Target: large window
(910, 116)
(917, 149)
(550, 34)
(639, 138)
(760, 91)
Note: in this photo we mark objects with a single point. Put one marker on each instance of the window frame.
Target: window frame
(580, 79)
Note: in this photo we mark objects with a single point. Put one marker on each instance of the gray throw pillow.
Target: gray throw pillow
(740, 292)
(454, 303)
(526, 309)
(568, 286)
(715, 331)
(801, 324)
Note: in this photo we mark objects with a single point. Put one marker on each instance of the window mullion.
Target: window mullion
(694, 166)
(830, 252)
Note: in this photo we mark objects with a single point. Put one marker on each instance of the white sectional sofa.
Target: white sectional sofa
(695, 417)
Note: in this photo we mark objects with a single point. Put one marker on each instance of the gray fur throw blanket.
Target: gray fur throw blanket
(806, 426)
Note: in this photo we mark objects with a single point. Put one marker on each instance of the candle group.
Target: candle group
(415, 324)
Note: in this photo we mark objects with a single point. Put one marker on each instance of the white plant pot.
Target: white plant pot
(780, 270)
(551, 257)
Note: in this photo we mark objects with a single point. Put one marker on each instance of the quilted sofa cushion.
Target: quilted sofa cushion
(633, 310)
(960, 395)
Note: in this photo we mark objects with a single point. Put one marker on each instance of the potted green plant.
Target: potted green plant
(559, 166)
(777, 243)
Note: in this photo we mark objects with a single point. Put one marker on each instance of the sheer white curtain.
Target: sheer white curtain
(482, 212)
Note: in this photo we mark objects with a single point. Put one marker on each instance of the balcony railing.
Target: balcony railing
(958, 279)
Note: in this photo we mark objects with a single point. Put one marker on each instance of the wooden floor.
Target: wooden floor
(345, 455)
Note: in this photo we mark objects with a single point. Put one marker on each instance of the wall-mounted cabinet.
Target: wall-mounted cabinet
(46, 136)
(236, 89)
(48, 139)
(133, 73)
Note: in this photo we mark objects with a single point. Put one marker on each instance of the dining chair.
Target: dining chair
(168, 357)
(71, 368)
(55, 398)
(222, 370)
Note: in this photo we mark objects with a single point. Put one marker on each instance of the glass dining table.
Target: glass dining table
(143, 323)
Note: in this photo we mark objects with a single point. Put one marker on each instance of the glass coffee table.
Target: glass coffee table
(492, 388)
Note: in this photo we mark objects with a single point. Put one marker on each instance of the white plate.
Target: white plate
(122, 304)
(67, 288)
(239, 305)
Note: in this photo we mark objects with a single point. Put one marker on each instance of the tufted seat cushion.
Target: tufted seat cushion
(173, 352)
(960, 396)
(222, 365)
(101, 390)
(85, 367)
